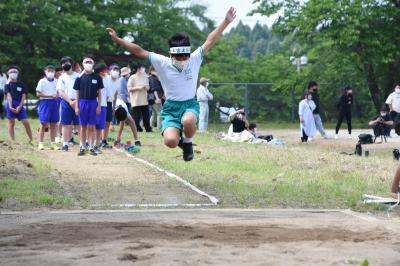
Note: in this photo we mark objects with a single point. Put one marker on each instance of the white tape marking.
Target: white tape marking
(213, 199)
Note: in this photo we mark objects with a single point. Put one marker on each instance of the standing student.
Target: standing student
(3, 81)
(138, 85)
(112, 86)
(123, 93)
(157, 90)
(88, 96)
(122, 115)
(178, 74)
(203, 96)
(393, 101)
(102, 71)
(16, 92)
(48, 110)
(313, 89)
(307, 122)
(65, 88)
(344, 107)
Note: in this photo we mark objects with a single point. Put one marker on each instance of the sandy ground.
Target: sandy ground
(198, 237)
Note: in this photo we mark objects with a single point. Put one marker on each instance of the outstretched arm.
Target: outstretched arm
(131, 47)
(215, 34)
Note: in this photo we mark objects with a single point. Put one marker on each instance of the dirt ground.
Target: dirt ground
(198, 237)
(112, 179)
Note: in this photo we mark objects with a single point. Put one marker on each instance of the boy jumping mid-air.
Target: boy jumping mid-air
(178, 75)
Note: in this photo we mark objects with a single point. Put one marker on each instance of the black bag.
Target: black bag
(358, 150)
(365, 139)
(267, 138)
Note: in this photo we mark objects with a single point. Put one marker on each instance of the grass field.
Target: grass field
(314, 175)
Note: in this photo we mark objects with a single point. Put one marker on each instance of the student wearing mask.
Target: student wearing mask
(382, 123)
(313, 89)
(102, 71)
(157, 90)
(138, 85)
(178, 74)
(16, 93)
(123, 93)
(112, 86)
(88, 95)
(344, 106)
(48, 109)
(307, 122)
(65, 88)
(203, 96)
(393, 101)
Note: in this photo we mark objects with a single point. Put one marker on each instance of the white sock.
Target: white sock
(187, 140)
(65, 143)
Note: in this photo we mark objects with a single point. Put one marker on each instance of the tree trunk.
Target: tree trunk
(372, 83)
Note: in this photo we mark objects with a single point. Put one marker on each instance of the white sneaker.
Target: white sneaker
(349, 137)
(336, 136)
(310, 139)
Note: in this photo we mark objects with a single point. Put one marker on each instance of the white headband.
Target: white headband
(180, 50)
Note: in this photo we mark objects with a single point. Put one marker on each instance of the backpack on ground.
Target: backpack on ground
(365, 139)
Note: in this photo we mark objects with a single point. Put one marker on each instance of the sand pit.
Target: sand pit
(197, 237)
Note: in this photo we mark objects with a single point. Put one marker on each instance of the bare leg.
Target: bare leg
(83, 135)
(11, 126)
(171, 137)
(98, 136)
(41, 132)
(91, 137)
(106, 130)
(132, 124)
(396, 181)
(53, 132)
(66, 133)
(189, 121)
(28, 130)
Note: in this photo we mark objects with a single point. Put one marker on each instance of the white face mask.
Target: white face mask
(13, 76)
(88, 67)
(309, 97)
(50, 75)
(206, 84)
(115, 74)
(383, 114)
(180, 65)
(397, 90)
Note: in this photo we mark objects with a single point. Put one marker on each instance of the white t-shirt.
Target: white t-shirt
(3, 81)
(47, 87)
(121, 103)
(112, 86)
(103, 97)
(394, 100)
(203, 94)
(178, 86)
(66, 84)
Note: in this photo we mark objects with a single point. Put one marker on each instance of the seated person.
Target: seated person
(122, 115)
(396, 181)
(239, 121)
(382, 124)
(253, 129)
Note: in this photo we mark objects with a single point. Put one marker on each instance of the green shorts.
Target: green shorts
(173, 111)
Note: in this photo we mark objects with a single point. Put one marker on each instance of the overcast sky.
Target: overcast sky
(217, 9)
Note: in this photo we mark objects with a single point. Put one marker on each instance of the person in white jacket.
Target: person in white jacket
(307, 122)
(203, 96)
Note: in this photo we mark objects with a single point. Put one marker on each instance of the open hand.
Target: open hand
(230, 15)
(112, 33)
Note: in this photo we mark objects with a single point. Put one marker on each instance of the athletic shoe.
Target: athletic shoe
(82, 151)
(97, 150)
(104, 144)
(310, 139)
(54, 147)
(40, 147)
(349, 137)
(72, 141)
(180, 143)
(187, 151)
(138, 143)
(64, 148)
(336, 136)
(92, 152)
(87, 146)
(75, 132)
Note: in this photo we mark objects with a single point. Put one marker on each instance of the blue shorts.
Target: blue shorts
(173, 111)
(109, 115)
(20, 116)
(67, 114)
(101, 119)
(48, 111)
(87, 115)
